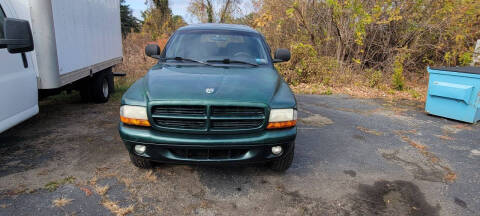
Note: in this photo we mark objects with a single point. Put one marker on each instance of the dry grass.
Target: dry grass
(61, 202)
(127, 181)
(86, 190)
(102, 190)
(150, 176)
(116, 209)
(93, 180)
(417, 93)
(135, 63)
(445, 137)
(370, 131)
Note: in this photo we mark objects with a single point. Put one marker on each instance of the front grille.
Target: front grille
(235, 124)
(208, 118)
(237, 111)
(179, 110)
(181, 123)
(205, 154)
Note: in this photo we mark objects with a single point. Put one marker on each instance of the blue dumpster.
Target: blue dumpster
(454, 92)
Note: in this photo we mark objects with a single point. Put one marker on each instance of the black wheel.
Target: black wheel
(140, 162)
(284, 162)
(111, 80)
(86, 90)
(101, 86)
(97, 88)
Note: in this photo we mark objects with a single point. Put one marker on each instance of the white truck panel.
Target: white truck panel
(87, 32)
(73, 39)
(18, 85)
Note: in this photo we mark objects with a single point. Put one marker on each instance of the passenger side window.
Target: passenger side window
(2, 20)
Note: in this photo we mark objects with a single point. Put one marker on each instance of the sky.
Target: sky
(179, 7)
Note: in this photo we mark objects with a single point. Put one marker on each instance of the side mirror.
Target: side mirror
(18, 36)
(153, 50)
(281, 55)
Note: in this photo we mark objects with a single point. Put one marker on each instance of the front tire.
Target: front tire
(285, 161)
(140, 162)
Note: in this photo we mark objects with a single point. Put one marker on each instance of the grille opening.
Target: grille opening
(237, 111)
(206, 154)
(181, 123)
(185, 110)
(236, 124)
(219, 118)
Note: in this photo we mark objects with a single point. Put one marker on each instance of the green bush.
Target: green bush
(306, 66)
(374, 78)
(398, 80)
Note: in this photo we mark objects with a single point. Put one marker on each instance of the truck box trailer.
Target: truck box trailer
(73, 45)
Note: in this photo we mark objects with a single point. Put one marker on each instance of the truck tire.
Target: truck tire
(85, 90)
(101, 86)
(140, 162)
(283, 163)
(97, 88)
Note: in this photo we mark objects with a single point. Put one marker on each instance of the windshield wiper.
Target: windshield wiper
(187, 59)
(228, 61)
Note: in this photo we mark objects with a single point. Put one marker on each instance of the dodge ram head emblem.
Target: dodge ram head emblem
(209, 90)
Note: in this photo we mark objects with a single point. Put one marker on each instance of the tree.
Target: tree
(210, 11)
(129, 22)
(158, 19)
(202, 10)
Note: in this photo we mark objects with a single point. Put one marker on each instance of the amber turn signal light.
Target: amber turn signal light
(137, 122)
(279, 125)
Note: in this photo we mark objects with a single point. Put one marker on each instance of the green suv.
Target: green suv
(213, 98)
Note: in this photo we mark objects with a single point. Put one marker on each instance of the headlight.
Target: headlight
(282, 118)
(134, 115)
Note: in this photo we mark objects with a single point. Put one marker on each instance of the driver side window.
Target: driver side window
(2, 20)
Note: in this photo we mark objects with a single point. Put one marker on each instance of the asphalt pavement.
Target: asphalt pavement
(353, 157)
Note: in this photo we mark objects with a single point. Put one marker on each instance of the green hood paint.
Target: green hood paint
(231, 84)
(242, 84)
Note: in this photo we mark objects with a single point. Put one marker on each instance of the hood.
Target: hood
(190, 83)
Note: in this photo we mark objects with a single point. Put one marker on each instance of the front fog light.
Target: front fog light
(140, 149)
(277, 150)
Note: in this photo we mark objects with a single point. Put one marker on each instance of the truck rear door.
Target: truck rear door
(18, 84)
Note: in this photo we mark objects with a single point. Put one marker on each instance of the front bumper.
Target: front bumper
(207, 149)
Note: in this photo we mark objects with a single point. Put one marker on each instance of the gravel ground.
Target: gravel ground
(353, 157)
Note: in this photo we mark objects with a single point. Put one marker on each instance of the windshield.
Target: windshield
(217, 46)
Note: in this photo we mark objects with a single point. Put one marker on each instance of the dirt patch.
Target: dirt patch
(455, 128)
(433, 160)
(316, 121)
(392, 198)
(445, 137)
(370, 131)
(415, 163)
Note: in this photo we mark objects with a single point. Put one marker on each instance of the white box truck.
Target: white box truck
(47, 46)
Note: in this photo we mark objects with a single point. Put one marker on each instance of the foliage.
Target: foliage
(158, 19)
(398, 80)
(394, 37)
(374, 77)
(307, 66)
(129, 22)
(53, 185)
